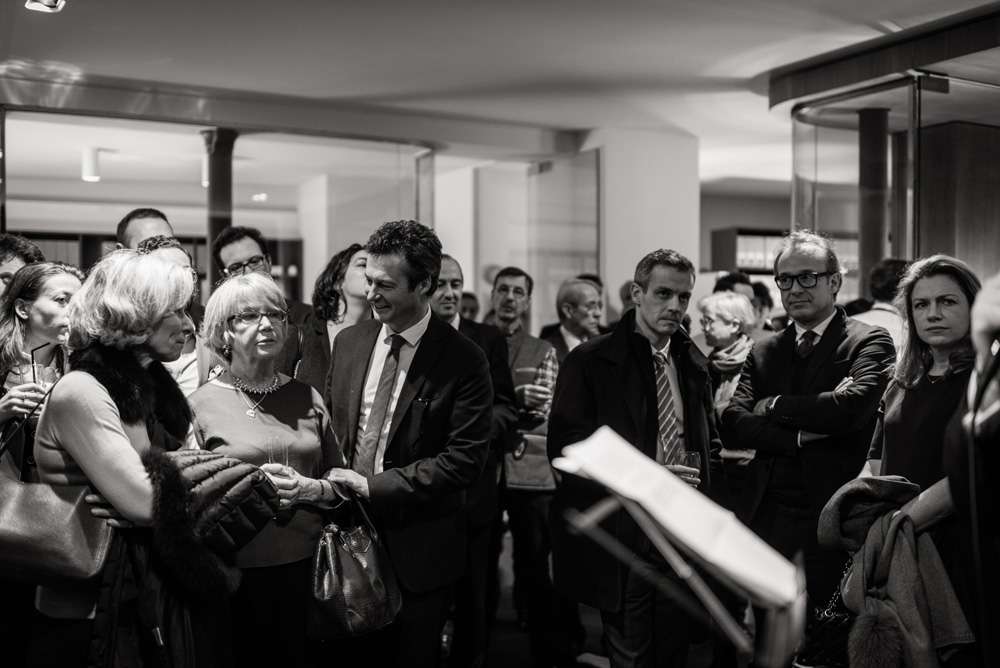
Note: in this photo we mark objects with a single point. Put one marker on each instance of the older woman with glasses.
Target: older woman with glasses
(253, 412)
(727, 319)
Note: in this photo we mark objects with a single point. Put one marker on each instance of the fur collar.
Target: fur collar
(142, 394)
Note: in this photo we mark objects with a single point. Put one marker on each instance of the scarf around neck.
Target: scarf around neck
(729, 361)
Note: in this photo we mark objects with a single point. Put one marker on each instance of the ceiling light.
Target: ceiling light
(47, 6)
(259, 197)
(90, 167)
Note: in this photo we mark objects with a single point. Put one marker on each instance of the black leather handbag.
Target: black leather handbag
(827, 635)
(354, 588)
(47, 534)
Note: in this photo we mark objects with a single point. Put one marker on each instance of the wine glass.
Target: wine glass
(691, 460)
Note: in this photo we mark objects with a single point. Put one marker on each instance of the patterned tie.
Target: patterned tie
(364, 455)
(806, 344)
(670, 445)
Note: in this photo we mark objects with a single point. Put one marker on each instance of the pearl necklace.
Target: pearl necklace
(242, 388)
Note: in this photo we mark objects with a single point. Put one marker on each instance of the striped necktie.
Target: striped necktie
(367, 446)
(669, 444)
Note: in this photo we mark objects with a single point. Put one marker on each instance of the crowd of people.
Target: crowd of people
(385, 391)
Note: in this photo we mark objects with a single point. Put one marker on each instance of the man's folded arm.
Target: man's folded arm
(743, 430)
(843, 411)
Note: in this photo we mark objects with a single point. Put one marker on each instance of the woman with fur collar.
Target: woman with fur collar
(117, 404)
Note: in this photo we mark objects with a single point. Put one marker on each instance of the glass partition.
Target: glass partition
(69, 179)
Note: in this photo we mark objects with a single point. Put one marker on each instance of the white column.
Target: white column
(315, 209)
(649, 192)
(454, 218)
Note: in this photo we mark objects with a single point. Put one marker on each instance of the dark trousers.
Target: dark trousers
(413, 640)
(270, 615)
(650, 630)
(791, 528)
(472, 621)
(17, 616)
(554, 628)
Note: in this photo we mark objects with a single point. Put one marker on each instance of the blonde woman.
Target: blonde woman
(254, 413)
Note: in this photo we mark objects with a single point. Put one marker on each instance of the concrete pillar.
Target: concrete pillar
(219, 146)
(873, 191)
(314, 209)
(455, 218)
(649, 198)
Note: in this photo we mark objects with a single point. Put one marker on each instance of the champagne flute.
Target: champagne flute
(692, 460)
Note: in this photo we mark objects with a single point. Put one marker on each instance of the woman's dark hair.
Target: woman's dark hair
(327, 299)
(27, 284)
(914, 357)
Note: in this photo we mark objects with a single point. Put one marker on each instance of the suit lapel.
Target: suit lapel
(356, 384)
(786, 351)
(428, 351)
(827, 344)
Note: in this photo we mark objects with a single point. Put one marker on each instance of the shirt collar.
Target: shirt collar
(818, 329)
(885, 306)
(413, 333)
(455, 321)
(665, 349)
(571, 339)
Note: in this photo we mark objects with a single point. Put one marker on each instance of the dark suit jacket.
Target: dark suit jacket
(609, 380)
(438, 443)
(847, 348)
(558, 342)
(482, 497)
(314, 352)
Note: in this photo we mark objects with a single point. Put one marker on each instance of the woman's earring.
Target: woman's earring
(227, 351)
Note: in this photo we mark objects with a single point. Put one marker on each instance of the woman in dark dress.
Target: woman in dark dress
(923, 405)
(338, 302)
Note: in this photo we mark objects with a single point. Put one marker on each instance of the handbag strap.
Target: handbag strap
(359, 505)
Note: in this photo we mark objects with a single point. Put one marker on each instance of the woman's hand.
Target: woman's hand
(99, 507)
(20, 401)
(289, 482)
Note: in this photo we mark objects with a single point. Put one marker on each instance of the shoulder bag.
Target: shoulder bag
(354, 588)
(47, 534)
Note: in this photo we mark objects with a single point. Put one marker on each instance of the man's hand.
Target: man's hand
(807, 437)
(533, 397)
(986, 319)
(99, 507)
(760, 408)
(741, 457)
(351, 480)
(689, 475)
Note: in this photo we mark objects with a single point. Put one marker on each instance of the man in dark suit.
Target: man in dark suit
(648, 382)
(807, 403)
(580, 306)
(482, 504)
(411, 403)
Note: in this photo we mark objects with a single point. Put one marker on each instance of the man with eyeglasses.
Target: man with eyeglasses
(806, 403)
(238, 250)
(580, 306)
(553, 622)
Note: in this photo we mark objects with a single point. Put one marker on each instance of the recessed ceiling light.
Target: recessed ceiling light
(259, 197)
(90, 164)
(46, 6)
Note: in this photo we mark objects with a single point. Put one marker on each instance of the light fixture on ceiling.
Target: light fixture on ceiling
(46, 6)
(259, 197)
(204, 171)
(90, 164)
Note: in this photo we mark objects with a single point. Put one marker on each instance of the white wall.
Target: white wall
(454, 218)
(650, 197)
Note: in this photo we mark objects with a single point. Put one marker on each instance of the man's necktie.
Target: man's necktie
(364, 454)
(669, 445)
(806, 344)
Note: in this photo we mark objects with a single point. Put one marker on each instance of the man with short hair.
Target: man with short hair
(482, 503)
(883, 281)
(579, 306)
(807, 403)
(238, 250)
(651, 385)
(15, 252)
(139, 224)
(411, 402)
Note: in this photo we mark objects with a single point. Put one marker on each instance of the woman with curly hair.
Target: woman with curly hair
(338, 302)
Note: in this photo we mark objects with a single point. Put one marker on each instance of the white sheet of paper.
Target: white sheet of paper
(693, 521)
